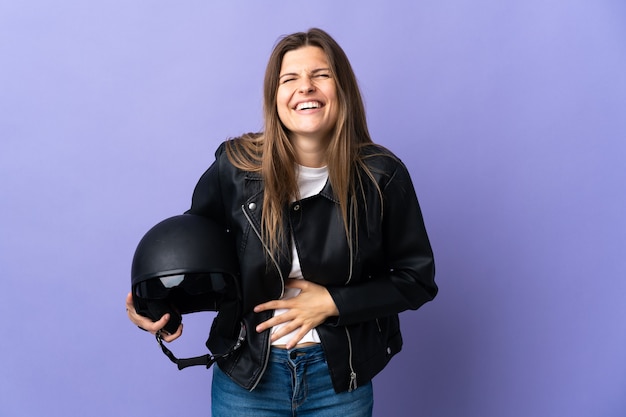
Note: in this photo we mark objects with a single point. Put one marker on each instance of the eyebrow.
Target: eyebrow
(315, 71)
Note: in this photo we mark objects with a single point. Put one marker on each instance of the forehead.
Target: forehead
(306, 58)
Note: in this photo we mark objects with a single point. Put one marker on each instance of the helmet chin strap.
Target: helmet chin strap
(205, 360)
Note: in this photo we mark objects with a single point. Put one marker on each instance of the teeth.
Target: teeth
(308, 105)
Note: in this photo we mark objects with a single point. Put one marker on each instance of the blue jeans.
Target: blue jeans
(296, 383)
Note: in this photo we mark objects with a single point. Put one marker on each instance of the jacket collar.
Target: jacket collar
(327, 191)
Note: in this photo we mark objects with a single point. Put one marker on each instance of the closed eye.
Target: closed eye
(287, 77)
(321, 73)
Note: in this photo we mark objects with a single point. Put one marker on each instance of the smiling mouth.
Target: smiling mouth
(308, 105)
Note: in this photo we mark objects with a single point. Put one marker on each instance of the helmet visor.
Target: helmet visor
(192, 284)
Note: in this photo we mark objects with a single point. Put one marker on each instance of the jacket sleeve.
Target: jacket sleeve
(407, 277)
(207, 196)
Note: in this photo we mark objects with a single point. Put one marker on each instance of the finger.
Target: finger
(261, 307)
(275, 321)
(171, 337)
(160, 323)
(130, 306)
(144, 322)
(296, 339)
(149, 325)
(284, 330)
(272, 305)
(296, 283)
(129, 301)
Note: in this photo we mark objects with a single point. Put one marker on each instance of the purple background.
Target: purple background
(509, 114)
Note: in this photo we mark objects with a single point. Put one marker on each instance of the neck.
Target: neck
(310, 153)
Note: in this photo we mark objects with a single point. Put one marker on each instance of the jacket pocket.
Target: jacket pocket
(376, 338)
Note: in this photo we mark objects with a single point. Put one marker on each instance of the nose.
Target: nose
(306, 85)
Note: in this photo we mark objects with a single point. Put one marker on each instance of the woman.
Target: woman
(330, 241)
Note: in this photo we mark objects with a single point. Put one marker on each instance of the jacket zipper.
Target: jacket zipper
(352, 385)
(282, 292)
(280, 273)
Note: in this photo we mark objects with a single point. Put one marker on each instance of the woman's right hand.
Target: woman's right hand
(149, 325)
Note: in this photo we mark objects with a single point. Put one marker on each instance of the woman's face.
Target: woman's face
(306, 99)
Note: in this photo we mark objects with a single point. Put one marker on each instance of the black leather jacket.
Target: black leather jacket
(389, 270)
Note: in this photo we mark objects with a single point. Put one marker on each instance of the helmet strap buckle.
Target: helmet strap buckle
(205, 360)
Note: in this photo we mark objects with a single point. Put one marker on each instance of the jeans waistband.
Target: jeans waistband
(308, 353)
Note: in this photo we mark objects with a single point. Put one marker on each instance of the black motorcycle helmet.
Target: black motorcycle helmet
(185, 264)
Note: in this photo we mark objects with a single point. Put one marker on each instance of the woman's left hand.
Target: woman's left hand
(306, 311)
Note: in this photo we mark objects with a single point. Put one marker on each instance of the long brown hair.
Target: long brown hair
(272, 154)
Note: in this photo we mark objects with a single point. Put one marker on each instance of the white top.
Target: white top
(310, 182)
